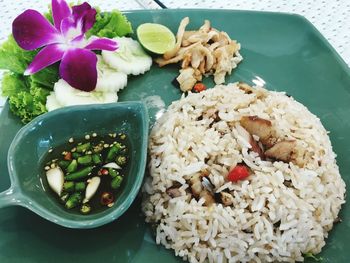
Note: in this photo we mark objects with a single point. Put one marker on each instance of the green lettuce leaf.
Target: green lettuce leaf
(26, 101)
(12, 84)
(14, 58)
(26, 94)
(45, 78)
(48, 14)
(110, 24)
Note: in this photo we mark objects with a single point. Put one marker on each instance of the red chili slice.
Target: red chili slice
(240, 172)
(68, 156)
(107, 198)
(104, 172)
(199, 87)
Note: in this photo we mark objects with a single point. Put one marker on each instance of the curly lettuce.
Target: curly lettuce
(14, 58)
(26, 101)
(27, 94)
(110, 25)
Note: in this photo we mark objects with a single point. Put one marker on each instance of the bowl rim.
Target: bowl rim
(23, 200)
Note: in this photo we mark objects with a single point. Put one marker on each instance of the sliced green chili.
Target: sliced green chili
(116, 182)
(72, 167)
(120, 160)
(85, 209)
(85, 160)
(63, 164)
(73, 200)
(96, 158)
(79, 174)
(113, 151)
(113, 173)
(83, 147)
(76, 155)
(80, 186)
(68, 187)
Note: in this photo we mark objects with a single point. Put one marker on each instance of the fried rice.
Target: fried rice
(281, 211)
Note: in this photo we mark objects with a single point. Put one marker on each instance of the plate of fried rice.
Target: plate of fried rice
(251, 166)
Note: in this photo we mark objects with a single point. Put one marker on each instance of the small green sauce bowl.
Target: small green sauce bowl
(31, 144)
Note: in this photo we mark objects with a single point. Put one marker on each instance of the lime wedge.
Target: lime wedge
(155, 38)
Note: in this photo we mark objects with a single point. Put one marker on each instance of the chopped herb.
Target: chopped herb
(310, 255)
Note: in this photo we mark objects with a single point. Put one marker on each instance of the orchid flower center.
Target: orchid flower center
(72, 33)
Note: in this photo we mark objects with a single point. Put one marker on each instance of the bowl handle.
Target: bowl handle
(9, 198)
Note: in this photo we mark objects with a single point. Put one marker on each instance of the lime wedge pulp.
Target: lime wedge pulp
(155, 37)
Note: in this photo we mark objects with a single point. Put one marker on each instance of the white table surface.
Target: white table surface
(331, 18)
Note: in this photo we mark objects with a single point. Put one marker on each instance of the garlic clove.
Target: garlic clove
(91, 188)
(55, 178)
(112, 165)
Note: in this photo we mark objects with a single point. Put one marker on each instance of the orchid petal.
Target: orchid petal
(60, 11)
(31, 30)
(84, 15)
(70, 29)
(46, 57)
(102, 44)
(78, 68)
(79, 10)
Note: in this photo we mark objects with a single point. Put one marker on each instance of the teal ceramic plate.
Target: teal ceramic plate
(286, 51)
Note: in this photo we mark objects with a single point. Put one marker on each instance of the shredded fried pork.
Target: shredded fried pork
(203, 51)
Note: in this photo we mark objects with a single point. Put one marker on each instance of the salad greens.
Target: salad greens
(27, 94)
(110, 25)
(26, 100)
(14, 58)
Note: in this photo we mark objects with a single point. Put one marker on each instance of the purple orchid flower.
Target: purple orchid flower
(65, 40)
